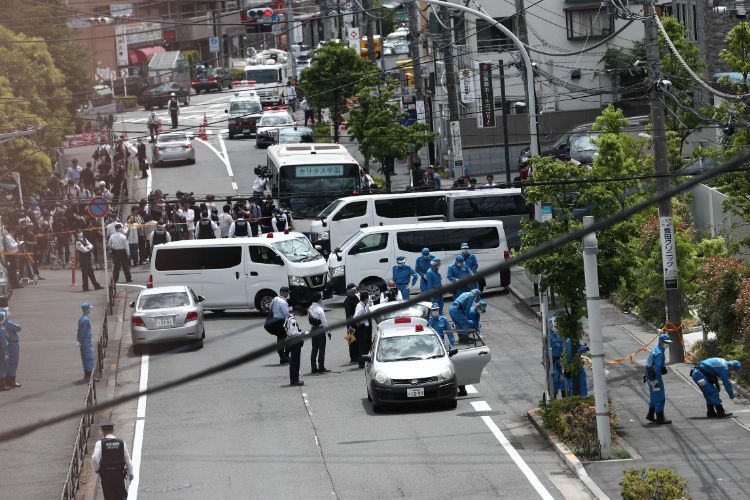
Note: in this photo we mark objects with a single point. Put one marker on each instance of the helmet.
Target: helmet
(477, 292)
(464, 246)
(482, 305)
(425, 251)
(86, 307)
(436, 261)
(434, 307)
(391, 284)
(3, 315)
(400, 259)
(735, 364)
(459, 258)
(664, 338)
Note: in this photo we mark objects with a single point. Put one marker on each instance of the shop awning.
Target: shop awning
(143, 55)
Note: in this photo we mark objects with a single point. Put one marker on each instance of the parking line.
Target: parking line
(140, 423)
(519, 461)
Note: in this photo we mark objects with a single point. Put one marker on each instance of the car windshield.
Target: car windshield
(172, 138)
(245, 107)
(163, 300)
(263, 75)
(413, 311)
(295, 137)
(409, 348)
(267, 121)
(297, 250)
(329, 209)
(583, 142)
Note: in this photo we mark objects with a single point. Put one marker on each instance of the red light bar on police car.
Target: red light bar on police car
(402, 320)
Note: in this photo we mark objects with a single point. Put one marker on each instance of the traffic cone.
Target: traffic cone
(124, 131)
(202, 134)
(159, 126)
(92, 138)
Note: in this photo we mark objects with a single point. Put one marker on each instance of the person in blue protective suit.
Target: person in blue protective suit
(11, 331)
(441, 325)
(402, 273)
(707, 375)
(4, 357)
(86, 342)
(435, 280)
(457, 271)
(460, 309)
(421, 268)
(569, 375)
(470, 262)
(655, 368)
(475, 313)
(556, 348)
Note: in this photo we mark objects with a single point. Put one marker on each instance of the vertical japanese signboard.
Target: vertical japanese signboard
(486, 95)
(668, 252)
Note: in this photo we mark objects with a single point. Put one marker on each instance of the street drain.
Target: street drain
(166, 487)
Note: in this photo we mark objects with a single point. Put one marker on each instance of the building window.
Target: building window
(588, 23)
(491, 39)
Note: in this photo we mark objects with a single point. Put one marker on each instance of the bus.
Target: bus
(306, 178)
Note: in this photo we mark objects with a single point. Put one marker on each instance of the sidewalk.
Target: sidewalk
(35, 465)
(710, 453)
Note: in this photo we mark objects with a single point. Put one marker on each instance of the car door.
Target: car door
(223, 283)
(369, 258)
(264, 271)
(471, 360)
(348, 220)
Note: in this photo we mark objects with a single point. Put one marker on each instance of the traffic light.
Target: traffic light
(262, 14)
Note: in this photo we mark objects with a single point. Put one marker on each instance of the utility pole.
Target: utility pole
(450, 76)
(668, 243)
(506, 146)
(414, 50)
(368, 32)
(290, 36)
(339, 24)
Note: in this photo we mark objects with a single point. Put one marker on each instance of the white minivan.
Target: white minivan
(345, 216)
(242, 273)
(368, 256)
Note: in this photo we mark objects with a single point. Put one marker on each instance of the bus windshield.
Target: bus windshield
(263, 75)
(307, 189)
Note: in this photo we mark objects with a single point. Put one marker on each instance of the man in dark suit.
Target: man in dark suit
(141, 155)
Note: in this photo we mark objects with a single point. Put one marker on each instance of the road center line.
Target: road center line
(140, 423)
(226, 155)
(519, 461)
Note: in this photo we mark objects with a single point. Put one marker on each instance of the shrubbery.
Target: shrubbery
(652, 484)
(573, 419)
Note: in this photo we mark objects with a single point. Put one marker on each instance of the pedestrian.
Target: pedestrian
(4, 358)
(110, 127)
(291, 96)
(293, 345)
(457, 271)
(100, 123)
(366, 182)
(83, 250)
(260, 185)
(470, 261)
(459, 311)
(240, 227)
(433, 178)
(118, 243)
(317, 317)
(153, 124)
(350, 306)
(441, 325)
(556, 348)
(474, 315)
(206, 229)
(309, 111)
(402, 273)
(655, 368)
(421, 267)
(364, 329)
(707, 374)
(267, 210)
(111, 461)
(10, 331)
(72, 173)
(160, 235)
(132, 234)
(174, 109)
(142, 158)
(281, 221)
(225, 221)
(254, 214)
(189, 215)
(490, 181)
(279, 312)
(575, 372)
(12, 257)
(391, 293)
(85, 341)
(87, 176)
(435, 281)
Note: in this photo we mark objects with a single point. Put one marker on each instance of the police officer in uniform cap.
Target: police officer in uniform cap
(112, 461)
(240, 227)
(160, 235)
(206, 228)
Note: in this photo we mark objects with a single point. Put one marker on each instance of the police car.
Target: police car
(272, 120)
(244, 113)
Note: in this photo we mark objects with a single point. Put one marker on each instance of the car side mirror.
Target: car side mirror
(201, 298)
(366, 358)
(452, 352)
(337, 251)
(132, 304)
(278, 261)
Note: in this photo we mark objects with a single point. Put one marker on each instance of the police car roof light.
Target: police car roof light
(269, 235)
(402, 320)
(419, 328)
(286, 231)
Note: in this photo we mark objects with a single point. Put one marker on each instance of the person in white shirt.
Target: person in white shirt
(84, 248)
(148, 230)
(225, 221)
(10, 247)
(364, 330)
(294, 346)
(132, 233)
(111, 459)
(110, 229)
(490, 181)
(291, 96)
(317, 317)
(189, 214)
(260, 185)
(391, 294)
(118, 243)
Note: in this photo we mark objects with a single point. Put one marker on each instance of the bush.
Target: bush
(652, 484)
(574, 421)
(237, 74)
(704, 349)
(720, 279)
(129, 102)
(321, 132)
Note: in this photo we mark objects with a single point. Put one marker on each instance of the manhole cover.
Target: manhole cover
(166, 487)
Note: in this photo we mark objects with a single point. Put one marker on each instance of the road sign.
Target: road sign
(458, 156)
(98, 207)
(213, 44)
(353, 37)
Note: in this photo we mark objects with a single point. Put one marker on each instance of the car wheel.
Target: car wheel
(198, 344)
(187, 100)
(220, 87)
(452, 404)
(369, 398)
(192, 161)
(263, 300)
(505, 278)
(139, 349)
(373, 286)
(217, 311)
(231, 136)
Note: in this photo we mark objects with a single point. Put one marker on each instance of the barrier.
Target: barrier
(80, 447)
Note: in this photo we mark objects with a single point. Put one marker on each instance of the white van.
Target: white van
(242, 273)
(345, 216)
(368, 256)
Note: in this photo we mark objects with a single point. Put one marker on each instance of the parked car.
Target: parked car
(294, 135)
(166, 314)
(244, 113)
(172, 147)
(157, 96)
(212, 79)
(269, 124)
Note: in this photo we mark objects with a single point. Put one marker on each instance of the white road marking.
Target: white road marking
(234, 186)
(149, 180)
(212, 148)
(470, 389)
(519, 461)
(140, 423)
(226, 155)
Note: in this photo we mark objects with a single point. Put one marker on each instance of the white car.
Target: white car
(166, 314)
(409, 364)
(172, 147)
(269, 124)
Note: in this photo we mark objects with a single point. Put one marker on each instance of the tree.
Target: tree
(737, 53)
(333, 79)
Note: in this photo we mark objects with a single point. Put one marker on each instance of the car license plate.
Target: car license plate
(245, 130)
(173, 150)
(164, 322)
(415, 393)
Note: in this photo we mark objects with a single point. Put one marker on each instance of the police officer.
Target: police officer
(434, 281)
(112, 461)
(470, 262)
(83, 250)
(280, 312)
(160, 235)
(421, 268)
(293, 346)
(556, 346)
(458, 271)
(85, 342)
(350, 305)
(364, 329)
(11, 331)
(281, 220)
(707, 375)
(317, 317)
(475, 314)
(391, 294)
(206, 228)
(575, 371)
(441, 325)
(239, 228)
(401, 275)
(459, 312)
(655, 368)
(174, 109)
(4, 357)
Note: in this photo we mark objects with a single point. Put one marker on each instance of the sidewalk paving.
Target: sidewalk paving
(710, 453)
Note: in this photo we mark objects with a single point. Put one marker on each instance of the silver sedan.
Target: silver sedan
(166, 314)
(173, 147)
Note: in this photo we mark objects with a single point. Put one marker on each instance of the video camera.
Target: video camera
(263, 171)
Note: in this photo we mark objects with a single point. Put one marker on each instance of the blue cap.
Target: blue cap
(284, 289)
(436, 261)
(477, 292)
(464, 245)
(482, 305)
(459, 258)
(425, 251)
(350, 286)
(735, 364)
(664, 337)
(85, 306)
(400, 259)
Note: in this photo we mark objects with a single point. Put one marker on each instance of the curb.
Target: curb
(568, 457)
(522, 300)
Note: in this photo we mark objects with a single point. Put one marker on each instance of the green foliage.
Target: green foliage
(737, 51)
(720, 279)
(193, 58)
(333, 79)
(704, 349)
(321, 132)
(652, 484)
(574, 421)
(630, 80)
(237, 74)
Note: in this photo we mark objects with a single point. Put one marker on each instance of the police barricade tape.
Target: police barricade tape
(668, 327)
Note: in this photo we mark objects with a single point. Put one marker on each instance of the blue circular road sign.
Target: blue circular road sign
(98, 207)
